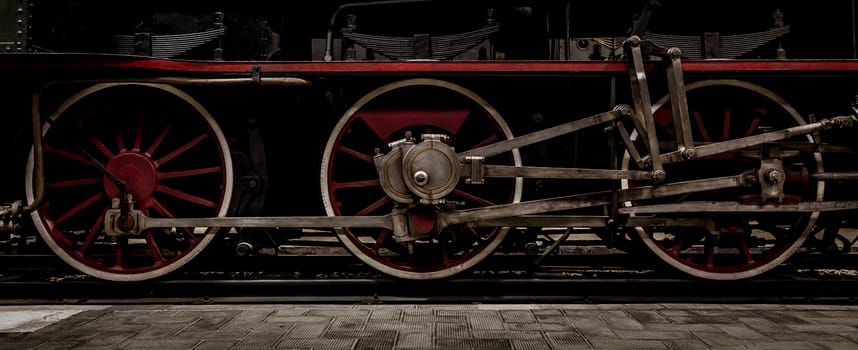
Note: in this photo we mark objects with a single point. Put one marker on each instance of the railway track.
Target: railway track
(583, 278)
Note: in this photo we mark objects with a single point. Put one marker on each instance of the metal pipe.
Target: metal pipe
(262, 81)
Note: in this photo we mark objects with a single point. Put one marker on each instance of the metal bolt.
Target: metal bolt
(749, 179)
(626, 110)
(674, 52)
(421, 177)
(659, 175)
(243, 248)
(635, 40)
(774, 177)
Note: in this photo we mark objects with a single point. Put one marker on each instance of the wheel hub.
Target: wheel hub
(430, 169)
(139, 173)
(424, 172)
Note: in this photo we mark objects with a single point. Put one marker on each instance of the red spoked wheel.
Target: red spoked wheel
(170, 153)
(351, 186)
(737, 245)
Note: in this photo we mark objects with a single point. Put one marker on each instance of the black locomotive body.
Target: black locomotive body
(427, 134)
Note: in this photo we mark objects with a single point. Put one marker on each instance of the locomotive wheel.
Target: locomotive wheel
(733, 245)
(351, 186)
(169, 151)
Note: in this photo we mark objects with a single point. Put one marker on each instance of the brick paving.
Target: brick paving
(425, 326)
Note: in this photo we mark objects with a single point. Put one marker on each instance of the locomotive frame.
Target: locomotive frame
(728, 206)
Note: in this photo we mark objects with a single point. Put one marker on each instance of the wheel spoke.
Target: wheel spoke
(138, 135)
(485, 142)
(120, 140)
(185, 173)
(184, 148)
(753, 128)
(701, 127)
(382, 236)
(473, 198)
(374, 206)
(410, 253)
(186, 196)
(157, 257)
(473, 233)
(67, 155)
(100, 146)
(442, 245)
(745, 250)
(709, 248)
(160, 208)
(157, 142)
(73, 183)
(355, 184)
(93, 232)
(119, 254)
(726, 132)
(663, 119)
(166, 212)
(354, 153)
(77, 208)
(677, 245)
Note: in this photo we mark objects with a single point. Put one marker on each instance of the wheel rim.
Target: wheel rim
(164, 145)
(350, 183)
(747, 244)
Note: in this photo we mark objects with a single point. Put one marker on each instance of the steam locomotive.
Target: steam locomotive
(425, 134)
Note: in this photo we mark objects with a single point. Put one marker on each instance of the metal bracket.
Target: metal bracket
(679, 104)
(112, 223)
(400, 224)
(630, 145)
(476, 167)
(143, 44)
(772, 178)
(643, 118)
(256, 75)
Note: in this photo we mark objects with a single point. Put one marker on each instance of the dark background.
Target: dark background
(818, 29)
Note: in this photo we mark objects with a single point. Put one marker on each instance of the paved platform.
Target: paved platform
(400, 326)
